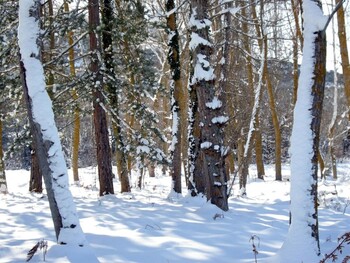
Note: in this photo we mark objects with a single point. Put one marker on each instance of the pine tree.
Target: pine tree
(135, 66)
(113, 90)
(103, 154)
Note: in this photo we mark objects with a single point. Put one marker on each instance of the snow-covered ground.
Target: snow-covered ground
(150, 226)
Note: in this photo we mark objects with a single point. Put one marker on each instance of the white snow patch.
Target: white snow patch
(220, 120)
(206, 145)
(214, 104)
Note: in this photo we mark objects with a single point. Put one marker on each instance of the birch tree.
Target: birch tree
(43, 127)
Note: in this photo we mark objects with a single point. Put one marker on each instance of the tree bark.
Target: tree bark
(43, 128)
(3, 183)
(100, 120)
(276, 125)
(176, 89)
(107, 43)
(212, 151)
(306, 136)
(76, 115)
(344, 52)
(250, 76)
(35, 182)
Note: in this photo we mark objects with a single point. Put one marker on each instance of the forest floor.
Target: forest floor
(149, 225)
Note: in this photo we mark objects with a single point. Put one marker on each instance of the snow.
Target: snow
(146, 226)
(196, 40)
(28, 33)
(206, 145)
(214, 104)
(198, 23)
(299, 240)
(202, 70)
(220, 119)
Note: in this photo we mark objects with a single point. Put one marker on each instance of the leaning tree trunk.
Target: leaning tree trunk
(43, 127)
(176, 89)
(303, 237)
(212, 151)
(103, 152)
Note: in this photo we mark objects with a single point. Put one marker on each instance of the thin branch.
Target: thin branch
(337, 7)
(67, 49)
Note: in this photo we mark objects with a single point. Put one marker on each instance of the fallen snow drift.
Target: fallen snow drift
(147, 226)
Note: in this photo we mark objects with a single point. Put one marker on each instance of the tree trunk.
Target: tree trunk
(103, 155)
(243, 172)
(344, 51)
(212, 151)
(259, 151)
(43, 127)
(3, 183)
(76, 129)
(35, 182)
(298, 36)
(121, 158)
(276, 125)
(107, 44)
(334, 120)
(303, 235)
(176, 89)
(152, 170)
(257, 92)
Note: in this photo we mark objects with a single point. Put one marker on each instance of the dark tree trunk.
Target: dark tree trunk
(42, 146)
(174, 62)
(107, 44)
(212, 151)
(43, 128)
(103, 154)
(35, 183)
(305, 137)
(316, 113)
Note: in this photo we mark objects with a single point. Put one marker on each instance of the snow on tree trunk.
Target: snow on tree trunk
(174, 62)
(103, 152)
(43, 127)
(303, 239)
(212, 151)
(113, 93)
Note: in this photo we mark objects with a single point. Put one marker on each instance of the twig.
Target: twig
(255, 251)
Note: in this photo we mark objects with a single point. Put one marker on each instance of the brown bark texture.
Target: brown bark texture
(176, 90)
(76, 128)
(103, 152)
(211, 151)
